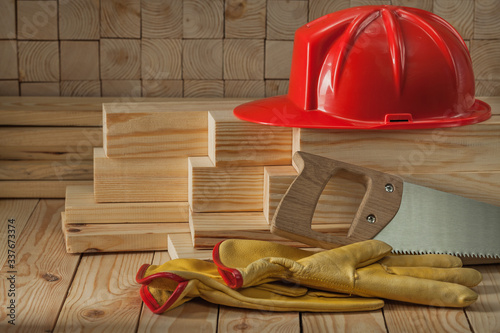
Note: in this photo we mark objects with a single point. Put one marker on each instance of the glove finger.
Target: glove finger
(425, 260)
(374, 281)
(465, 276)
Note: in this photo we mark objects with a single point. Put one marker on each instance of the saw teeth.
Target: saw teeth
(460, 254)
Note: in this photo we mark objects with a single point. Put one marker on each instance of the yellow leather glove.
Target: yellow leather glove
(363, 269)
(178, 281)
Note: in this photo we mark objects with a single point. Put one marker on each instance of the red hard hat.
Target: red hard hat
(375, 67)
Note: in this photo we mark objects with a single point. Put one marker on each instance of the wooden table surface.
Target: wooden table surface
(60, 292)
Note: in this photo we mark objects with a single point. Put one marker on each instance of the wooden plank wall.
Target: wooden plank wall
(190, 48)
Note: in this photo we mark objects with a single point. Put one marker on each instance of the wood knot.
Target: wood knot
(50, 277)
(235, 9)
(92, 250)
(73, 230)
(94, 313)
(241, 327)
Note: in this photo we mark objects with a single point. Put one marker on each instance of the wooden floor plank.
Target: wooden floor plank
(44, 271)
(242, 320)
(365, 322)
(405, 317)
(20, 210)
(484, 315)
(104, 296)
(194, 316)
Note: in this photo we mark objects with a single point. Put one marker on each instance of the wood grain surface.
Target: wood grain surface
(79, 60)
(37, 188)
(224, 189)
(81, 207)
(45, 170)
(81, 88)
(120, 59)
(8, 23)
(121, 18)
(204, 88)
(242, 320)
(244, 88)
(181, 246)
(243, 59)
(203, 19)
(460, 14)
(43, 271)
(284, 17)
(79, 19)
(49, 89)
(233, 142)
(245, 19)
(278, 59)
(38, 61)
(372, 321)
(161, 19)
(162, 88)
(318, 8)
(161, 59)
(202, 59)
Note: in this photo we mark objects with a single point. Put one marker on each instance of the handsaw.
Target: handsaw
(413, 219)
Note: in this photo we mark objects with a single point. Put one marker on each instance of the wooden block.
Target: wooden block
(203, 19)
(202, 58)
(207, 229)
(422, 4)
(38, 61)
(81, 207)
(284, 17)
(52, 153)
(121, 88)
(106, 237)
(161, 19)
(372, 321)
(244, 88)
(488, 88)
(204, 88)
(159, 129)
(139, 179)
(121, 18)
(8, 54)
(181, 246)
(37, 188)
(245, 19)
(485, 55)
(79, 19)
(79, 60)
(243, 59)
(120, 59)
(460, 14)
(233, 142)
(337, 204)
(37, 20)
(162, 88)
(81, 88)
(161, 59)
(40, 89)
(45, 170)
(276, 87)
(486, 23)
(9, 88)
(278, 59)
(224, 189)
(8, 22)
(369, 2)
(468, 148)
(318, 8)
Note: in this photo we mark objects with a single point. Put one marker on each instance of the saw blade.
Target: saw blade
(431, 221)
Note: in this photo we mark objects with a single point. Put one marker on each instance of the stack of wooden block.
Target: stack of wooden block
(194, 172)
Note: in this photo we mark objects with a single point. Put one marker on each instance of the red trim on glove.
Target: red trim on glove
(231, 276)
(149, 299)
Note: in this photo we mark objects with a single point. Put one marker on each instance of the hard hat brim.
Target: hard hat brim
(280, 111)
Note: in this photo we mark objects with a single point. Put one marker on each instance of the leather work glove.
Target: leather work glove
(363, 269)
(178, 281)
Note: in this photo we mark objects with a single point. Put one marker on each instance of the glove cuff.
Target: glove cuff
(146, 295)
(231, 276)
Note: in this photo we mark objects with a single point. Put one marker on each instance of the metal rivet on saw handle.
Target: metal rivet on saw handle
(371, 218)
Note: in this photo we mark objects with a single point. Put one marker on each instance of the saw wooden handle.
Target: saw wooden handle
(294, 214)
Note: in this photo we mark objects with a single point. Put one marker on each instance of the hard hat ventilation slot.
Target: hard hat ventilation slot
(398, 118)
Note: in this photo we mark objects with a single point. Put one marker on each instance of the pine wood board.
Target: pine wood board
(372, 321)
(45, 170)
(484, 315)
(245, 21)
(55, 189)
(203, 19)
(40, 137)
(79, 19)
(193, 316)
(224, 189)
(242, 320)
(104, 294)
(170, 129)
(406, 317)
(468, 148)
(112, 237)
(139, 179)
(82, 208)
(181, 246)
(207, 229)
(235, 142)
(69, 155)
(18, 209)
(43, 269)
